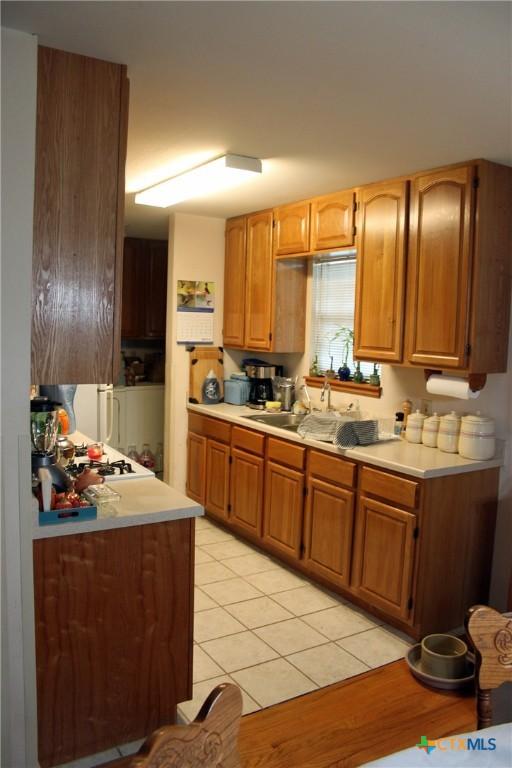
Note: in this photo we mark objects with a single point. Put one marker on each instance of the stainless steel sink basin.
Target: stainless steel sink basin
(288, 421)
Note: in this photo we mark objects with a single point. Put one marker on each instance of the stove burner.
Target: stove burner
(80, 450)
(103, 468)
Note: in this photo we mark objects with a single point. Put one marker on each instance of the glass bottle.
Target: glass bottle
(146, 457)
(132, 454)
(159, 458)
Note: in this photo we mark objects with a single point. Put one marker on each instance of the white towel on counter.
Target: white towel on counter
(351, 433)
(321, 426)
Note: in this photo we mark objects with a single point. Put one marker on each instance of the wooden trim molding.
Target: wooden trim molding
(354, 388)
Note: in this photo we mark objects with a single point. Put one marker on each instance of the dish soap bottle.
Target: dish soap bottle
(211, 389)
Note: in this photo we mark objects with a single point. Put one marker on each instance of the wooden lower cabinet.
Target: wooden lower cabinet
(384, 556)
(217, 472)
(246, 495)
(284, 501)
(196, 467)
(328, 529)
(113, 626)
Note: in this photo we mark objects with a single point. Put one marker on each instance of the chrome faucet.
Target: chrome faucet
(326, 386)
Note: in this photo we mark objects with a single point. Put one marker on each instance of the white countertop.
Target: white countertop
(143, 501)
(396, 455)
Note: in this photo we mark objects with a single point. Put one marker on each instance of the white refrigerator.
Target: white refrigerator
(94, 411)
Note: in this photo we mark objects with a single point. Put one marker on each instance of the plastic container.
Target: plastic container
(236, 390)
(448, 435)
(477, 437)
(430, 431)
(414, 427)
(103, 498)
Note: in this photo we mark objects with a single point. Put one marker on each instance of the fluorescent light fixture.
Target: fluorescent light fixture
(219, 174)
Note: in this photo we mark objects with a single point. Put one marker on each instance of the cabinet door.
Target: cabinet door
(380, 275)
(384, 556)
(291, 229)
(196, 467)
(156, 289)
(134, 289)
(328, 531)
(332, 221)
(284, 502)
(78, 212)
(234, 282)
(258, 294)
(439, 268)
(246, 494)
(217, 479)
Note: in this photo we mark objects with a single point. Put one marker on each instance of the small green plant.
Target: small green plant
(346, 335)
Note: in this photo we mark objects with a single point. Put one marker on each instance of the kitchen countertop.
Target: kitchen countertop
(143, 501)
(396, 455)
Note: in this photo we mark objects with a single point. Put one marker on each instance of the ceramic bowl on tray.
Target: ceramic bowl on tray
(413, 659)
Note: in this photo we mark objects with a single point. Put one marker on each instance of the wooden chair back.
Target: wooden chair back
(490, 633)
(210, 741)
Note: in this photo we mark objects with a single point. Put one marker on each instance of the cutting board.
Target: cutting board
(203, 360)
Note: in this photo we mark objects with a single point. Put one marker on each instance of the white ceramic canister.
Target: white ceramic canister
(477, 437)
(448, 435)
(414, 427)
(430, 430)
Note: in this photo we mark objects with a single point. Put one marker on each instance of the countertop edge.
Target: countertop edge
(360, 454)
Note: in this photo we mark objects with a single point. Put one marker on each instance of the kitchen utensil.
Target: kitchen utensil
(414, 427)
(430, 431)
(65, 450)
(476, 438)
(448, 435)
(443, 656)
(202, 360)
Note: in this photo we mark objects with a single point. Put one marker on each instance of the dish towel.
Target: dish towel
(319, 427)
(352, 433)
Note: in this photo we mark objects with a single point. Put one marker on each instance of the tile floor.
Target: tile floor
(269, 630)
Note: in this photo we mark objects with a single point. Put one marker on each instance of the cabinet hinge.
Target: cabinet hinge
(229, 507)
(270, 337)
(476, 182)
(355, 207)
(416, 533)
(410, 604)
(230, 459)
(468, 350)
(273, 223)
(302, 549)
(354, 231)
(305, 491)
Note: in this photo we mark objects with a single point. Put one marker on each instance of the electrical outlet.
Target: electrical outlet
(426, 407)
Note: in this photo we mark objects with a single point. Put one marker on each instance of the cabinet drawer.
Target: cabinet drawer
(214, 428)
(247, 440)
(397, 489)
(331, 468)
(286, 453)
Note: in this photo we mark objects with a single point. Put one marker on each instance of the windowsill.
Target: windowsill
(364, 389)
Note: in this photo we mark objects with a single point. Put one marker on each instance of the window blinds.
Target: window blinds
(333, 307)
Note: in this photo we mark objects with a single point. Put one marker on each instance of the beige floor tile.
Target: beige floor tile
(258, 612)
(202, 557)
(290, 636)
(239, 651)
(215, 623)
(204, 667)
(202, 523)
(212, 535)
(277, 580)
(327, 664)
(249, 564)
(339, 622)
(189, 709)
(273, 681)
(201, 601)
(206, 573)
(375, 647)
(227, 549)
(231, 591)
(304, 600)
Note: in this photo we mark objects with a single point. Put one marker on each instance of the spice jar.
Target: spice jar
(414, 427)
(448, 435)
(430, 431)
(477, 439)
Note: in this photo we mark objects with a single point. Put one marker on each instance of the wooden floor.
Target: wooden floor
(351, 723)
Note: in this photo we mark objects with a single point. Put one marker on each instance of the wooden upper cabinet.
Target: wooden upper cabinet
(234, 282)
(144, 312)
(156, 290)
(332, 221)
(440, 268)
(81, 124)
(291, 229)
(133, 289)
(259, 276)
(379, 312)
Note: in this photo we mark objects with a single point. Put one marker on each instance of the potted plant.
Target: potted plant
(346, 335)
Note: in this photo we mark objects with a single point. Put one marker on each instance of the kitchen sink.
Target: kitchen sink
(288, 421)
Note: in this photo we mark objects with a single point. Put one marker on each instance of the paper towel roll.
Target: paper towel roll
(450, 386)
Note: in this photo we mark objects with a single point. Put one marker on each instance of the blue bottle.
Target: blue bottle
(211, 389)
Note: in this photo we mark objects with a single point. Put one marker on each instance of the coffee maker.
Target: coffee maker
(43, 432)
(260, 380)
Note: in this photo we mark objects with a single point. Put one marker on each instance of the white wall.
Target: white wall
(19, 71)
(196, 252)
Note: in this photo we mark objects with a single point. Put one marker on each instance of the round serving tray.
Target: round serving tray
(413, 659)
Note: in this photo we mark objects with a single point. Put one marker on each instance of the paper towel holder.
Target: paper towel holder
(476, 381)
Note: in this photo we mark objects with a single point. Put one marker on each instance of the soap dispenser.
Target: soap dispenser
(211, 389)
